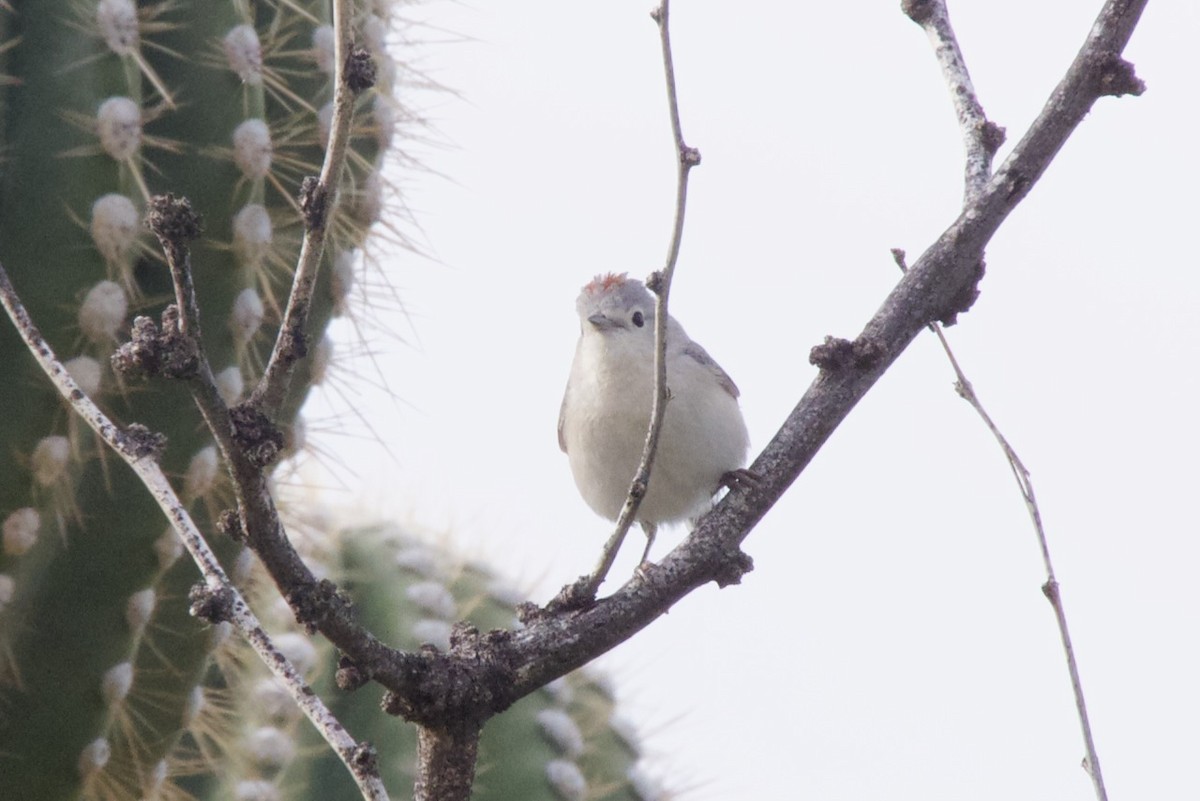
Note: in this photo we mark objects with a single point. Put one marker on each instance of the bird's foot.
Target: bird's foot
(643, 569)
(742, 478)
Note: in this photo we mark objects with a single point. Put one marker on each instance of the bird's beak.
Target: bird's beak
(602, 322)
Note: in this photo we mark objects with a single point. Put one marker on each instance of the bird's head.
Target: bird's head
(615, 303)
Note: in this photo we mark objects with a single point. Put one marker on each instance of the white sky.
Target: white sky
(893, 641)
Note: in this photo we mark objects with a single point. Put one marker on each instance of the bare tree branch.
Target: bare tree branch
(981, 137)
(218, 601)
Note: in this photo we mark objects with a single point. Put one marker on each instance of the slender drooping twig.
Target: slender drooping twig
(687, 158)
(1051, 588)
(139, 447)
(317, 202)
(966, 390)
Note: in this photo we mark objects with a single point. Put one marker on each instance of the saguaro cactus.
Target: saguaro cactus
(102, 104)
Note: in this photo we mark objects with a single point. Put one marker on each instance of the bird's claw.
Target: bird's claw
(742, 478)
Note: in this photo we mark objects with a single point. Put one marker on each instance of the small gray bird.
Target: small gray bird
(606, 410)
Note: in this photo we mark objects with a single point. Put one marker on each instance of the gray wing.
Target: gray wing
(698, 353)
(562, 416)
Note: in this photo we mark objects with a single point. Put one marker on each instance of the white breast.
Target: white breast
(606, 415)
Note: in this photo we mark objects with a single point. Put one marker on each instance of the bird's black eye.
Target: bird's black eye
(638, 319)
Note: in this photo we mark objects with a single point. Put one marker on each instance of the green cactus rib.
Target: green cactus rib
(559, 743)
(102, 103)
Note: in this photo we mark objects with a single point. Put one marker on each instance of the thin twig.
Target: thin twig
(1051, 588)
(686, 158)
(174, 223)
(981, 137)
(138, 447)
(966, 390)
(318, 200)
